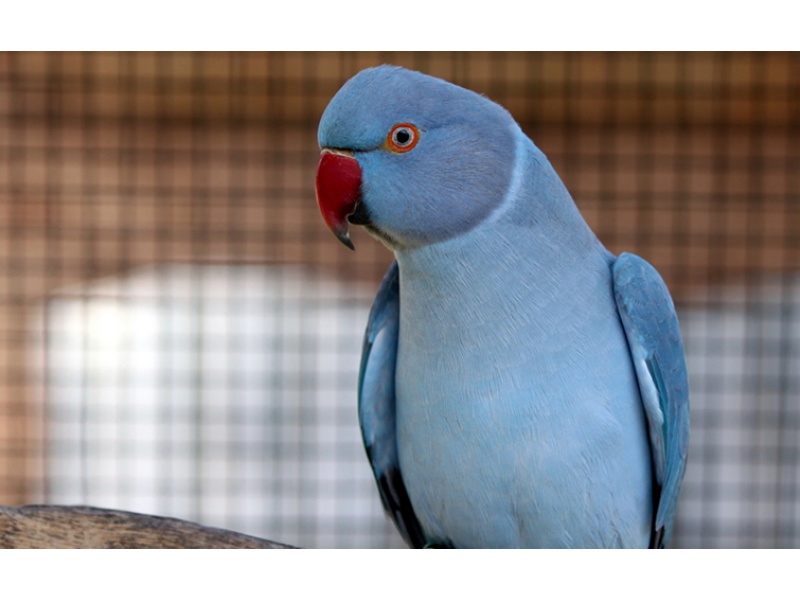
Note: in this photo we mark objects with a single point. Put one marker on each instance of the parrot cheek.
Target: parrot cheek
(338, 187)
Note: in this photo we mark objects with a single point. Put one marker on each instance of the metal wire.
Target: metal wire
(180, 335)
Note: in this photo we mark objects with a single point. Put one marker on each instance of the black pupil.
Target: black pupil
(402, 137)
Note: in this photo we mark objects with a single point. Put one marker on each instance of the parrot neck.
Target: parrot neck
(535, 253)
(505, 266)
(536, 228)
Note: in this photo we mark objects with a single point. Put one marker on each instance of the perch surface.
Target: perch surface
(89, 527)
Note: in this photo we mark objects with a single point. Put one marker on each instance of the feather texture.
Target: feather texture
(520, 386)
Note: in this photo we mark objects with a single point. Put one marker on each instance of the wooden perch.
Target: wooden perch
(88, 527)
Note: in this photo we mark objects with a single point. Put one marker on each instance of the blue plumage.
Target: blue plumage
(520, 386)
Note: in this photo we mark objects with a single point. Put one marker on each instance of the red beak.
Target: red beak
(338, 191)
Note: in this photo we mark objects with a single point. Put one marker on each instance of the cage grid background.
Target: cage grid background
(179, 334)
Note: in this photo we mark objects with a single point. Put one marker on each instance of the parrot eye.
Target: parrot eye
(403, 137)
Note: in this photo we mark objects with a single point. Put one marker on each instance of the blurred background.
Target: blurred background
(180, 335)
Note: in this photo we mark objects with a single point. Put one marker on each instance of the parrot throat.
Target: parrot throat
(513, 265)
(533, 252)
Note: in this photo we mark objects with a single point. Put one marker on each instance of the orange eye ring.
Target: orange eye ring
(402, 138)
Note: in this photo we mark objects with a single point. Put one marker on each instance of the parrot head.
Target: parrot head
(414, 159)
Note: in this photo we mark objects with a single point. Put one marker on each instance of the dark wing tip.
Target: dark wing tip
(657, 539)
(396, 501)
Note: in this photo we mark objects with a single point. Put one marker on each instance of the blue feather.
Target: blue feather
(520, 386)
(376, 407)
(651, 325)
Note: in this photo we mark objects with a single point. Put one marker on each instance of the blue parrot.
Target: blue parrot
(520, 385)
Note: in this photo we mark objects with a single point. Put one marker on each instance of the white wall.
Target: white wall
(742, 486)
(220, 394)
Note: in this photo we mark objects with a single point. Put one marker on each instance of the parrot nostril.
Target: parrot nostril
(337, 151)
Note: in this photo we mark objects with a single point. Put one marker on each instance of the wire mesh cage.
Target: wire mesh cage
(180, 335)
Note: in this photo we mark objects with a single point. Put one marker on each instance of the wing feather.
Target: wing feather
(651, 326)
(376, 406)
